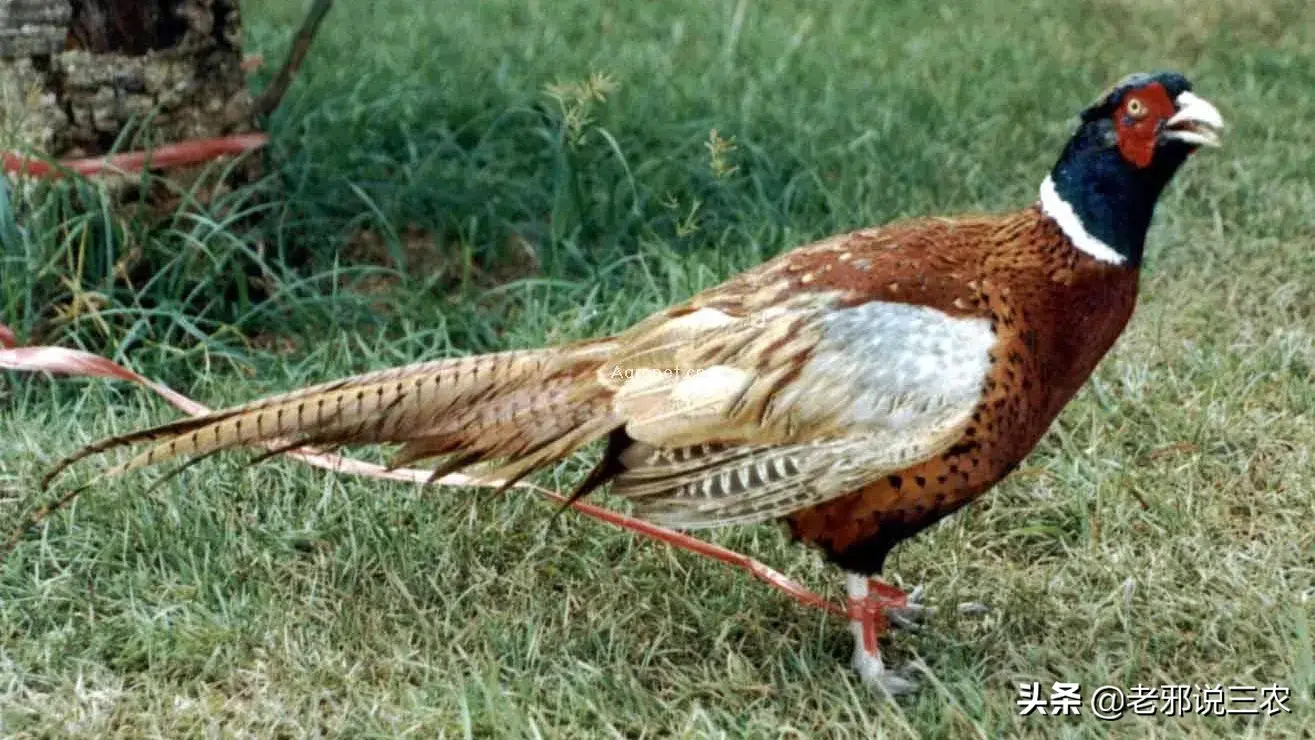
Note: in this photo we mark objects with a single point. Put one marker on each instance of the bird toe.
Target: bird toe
(909, 618)
(973, 608)
(885, 681)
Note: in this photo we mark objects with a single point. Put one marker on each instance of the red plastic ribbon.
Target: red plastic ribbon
(182, 154)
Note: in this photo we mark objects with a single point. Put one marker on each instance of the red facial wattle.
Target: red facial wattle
(1137, 122)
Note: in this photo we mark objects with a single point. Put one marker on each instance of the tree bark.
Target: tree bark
(80, 78)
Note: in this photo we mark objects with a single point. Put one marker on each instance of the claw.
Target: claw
(896, 683)
(909, 617)
(913, 613)
(973, 608)
(876, 676)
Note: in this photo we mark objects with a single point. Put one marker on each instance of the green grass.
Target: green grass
(1160, 534)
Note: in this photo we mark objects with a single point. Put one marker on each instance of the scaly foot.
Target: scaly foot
(871, 602)
(914, 613)
(876, 676)
(875, 605)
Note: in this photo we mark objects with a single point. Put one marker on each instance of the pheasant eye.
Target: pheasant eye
(1136, 108)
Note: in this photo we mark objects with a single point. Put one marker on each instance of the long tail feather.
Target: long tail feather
(511, 404)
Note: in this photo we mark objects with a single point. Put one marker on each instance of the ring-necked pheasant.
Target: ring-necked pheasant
(861, 387)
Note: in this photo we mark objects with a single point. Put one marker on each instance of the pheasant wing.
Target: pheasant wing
(749, 418)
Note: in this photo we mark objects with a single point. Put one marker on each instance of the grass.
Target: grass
(1159, 535)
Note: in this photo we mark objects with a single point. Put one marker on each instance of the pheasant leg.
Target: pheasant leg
(870, 600)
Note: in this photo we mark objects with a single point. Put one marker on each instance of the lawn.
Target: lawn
(440, 184)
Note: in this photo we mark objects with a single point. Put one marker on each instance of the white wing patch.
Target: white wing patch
(893, 366)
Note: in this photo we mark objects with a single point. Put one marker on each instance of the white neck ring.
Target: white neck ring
(1063, 214)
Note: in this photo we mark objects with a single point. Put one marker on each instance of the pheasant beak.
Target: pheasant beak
(1197, 122)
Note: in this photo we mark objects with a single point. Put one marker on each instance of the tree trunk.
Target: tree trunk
(79, 78)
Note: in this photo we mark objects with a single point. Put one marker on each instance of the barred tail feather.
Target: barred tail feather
(479, 407)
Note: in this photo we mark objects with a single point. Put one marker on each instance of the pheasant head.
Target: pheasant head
(1129, 144)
